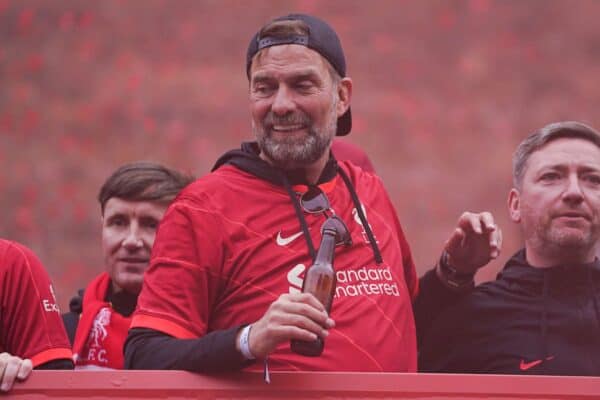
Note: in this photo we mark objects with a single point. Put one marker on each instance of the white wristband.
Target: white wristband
(244, 343)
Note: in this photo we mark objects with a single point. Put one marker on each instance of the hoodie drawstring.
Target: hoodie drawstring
(247, 159)
(357, 205)
(361, 215)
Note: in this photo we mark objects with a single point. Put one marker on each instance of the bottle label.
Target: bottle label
(321, 286)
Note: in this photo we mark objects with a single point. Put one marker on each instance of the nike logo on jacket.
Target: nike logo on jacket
(524, 366)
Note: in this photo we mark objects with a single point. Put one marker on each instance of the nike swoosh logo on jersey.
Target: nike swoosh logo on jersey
(284, 241)
(524, 366)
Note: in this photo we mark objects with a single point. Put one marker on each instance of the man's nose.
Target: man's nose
(283, 102)
(133, 240)
(573, 192)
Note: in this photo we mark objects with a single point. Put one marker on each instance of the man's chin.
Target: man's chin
(572, 238)
(131, 283)
(289, 157)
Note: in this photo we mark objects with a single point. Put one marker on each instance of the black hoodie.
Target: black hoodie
(542, 321)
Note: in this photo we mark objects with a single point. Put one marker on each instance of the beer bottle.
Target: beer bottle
(319, 280)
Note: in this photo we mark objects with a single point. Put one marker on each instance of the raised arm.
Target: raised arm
(475, 241)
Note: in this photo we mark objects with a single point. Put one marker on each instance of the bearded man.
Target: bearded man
(542, 313)
(224, 285)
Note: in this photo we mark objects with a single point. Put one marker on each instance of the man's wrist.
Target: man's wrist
(451, 277)
(244, 343)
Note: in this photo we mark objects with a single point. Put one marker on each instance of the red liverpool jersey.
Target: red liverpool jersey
(30, 322)
(231, 244)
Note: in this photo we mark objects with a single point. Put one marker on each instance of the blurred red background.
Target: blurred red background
(443, 92)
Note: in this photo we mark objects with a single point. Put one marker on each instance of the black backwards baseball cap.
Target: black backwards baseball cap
(321, 38)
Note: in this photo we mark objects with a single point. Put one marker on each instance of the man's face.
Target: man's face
(128, 232)
(558, 205)
(295, 104)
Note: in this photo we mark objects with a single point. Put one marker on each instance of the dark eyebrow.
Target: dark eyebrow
(261, 78)
(149, 218)
(554, 166)
(118, 216)
(586, 168)
(309, 75)
(564, 167)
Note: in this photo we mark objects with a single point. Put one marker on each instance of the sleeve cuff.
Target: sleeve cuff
(162, 325)
(51, 354)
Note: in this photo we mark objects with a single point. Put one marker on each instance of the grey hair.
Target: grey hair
(545, 135)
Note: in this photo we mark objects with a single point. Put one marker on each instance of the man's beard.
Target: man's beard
(562, 238)
(291, 152)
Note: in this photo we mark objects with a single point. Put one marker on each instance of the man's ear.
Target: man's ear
(514, 205)
(344, 95)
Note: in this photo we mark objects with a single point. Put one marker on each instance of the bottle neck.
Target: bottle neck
(326, 248)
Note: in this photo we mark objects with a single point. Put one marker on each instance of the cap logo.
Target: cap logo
(268, 41)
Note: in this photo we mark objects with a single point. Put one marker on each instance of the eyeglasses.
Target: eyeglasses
(314, 201)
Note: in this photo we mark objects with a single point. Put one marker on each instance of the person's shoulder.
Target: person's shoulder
(493, 288)
(5, 247)
(346, 151)
(16, 255)
(8, 247)
(213, 191)
(368, 185)
(356, 173)
(219, 180)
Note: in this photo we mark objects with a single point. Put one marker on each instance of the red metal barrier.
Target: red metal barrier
(300, 385)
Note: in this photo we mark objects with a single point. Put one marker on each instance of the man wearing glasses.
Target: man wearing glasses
(223, 287)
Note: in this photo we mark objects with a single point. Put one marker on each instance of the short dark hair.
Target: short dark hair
(143, 181)
(541, 137)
